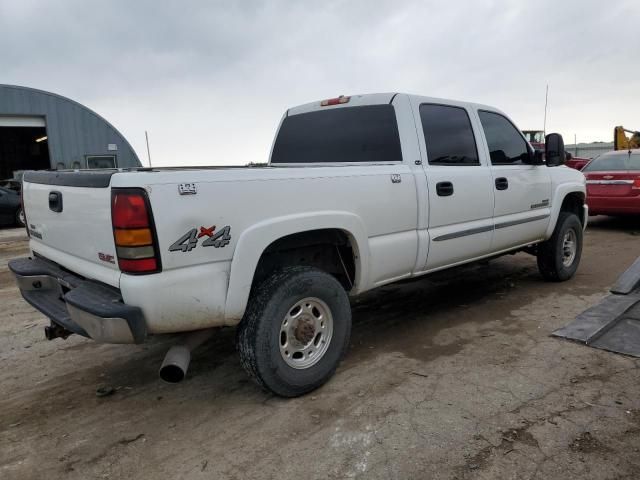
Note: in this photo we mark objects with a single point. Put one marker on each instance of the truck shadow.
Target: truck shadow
(406, 317)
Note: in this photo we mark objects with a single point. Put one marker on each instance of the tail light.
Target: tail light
(134, 231)
(636, 184)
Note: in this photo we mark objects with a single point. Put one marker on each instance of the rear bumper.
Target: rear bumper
(614, 205)
(90, 309)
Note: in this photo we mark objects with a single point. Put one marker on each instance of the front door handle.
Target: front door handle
(444, 189)
(502, 183)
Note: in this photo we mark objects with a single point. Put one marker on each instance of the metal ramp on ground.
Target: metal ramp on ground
(614, 323)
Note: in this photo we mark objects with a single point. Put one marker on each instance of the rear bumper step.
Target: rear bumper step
(90, 309)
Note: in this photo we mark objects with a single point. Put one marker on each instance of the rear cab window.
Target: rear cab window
(506, 144)
(362, 134)
(448, 135)
(614, 162)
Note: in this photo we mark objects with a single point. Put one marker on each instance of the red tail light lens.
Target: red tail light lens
(129, 210)
(147, 265)
(133, 231)
(636, 183)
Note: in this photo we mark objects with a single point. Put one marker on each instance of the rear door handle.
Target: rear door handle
(444, 189)
(502, 183)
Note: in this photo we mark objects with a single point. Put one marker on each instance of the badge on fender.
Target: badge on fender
(187, 189)
(189, 240)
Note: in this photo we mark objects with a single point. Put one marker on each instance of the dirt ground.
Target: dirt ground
(454, 376)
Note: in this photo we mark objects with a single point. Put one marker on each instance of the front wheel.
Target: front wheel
(20, 219)
(559, 257)
(295, 331)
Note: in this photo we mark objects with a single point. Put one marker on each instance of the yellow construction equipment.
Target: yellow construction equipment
(622, 142)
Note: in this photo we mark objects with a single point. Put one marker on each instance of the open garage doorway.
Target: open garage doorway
(23, 145)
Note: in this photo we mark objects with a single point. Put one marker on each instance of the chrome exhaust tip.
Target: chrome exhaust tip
(176, 362)
(175, 365)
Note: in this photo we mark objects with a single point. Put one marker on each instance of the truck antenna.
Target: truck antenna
(544, 125)
(146, 136)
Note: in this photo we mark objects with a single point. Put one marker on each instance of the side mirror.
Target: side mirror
(554, 150)
(568, 156)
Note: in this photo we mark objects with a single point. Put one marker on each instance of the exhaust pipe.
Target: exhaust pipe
(176, 361)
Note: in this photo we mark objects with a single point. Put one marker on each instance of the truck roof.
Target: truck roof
(382, 98)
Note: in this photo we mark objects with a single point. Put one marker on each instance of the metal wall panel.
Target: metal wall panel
(73, 130)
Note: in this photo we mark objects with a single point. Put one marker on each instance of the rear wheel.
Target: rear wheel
(295, 331)
(559, 257)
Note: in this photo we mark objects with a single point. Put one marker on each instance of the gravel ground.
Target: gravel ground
(454, 376)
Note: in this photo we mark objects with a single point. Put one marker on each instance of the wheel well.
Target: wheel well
(330, 250)
(573, 203)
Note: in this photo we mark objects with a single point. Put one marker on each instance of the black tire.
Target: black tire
(551, 254)
(259, 334)
(19, 216)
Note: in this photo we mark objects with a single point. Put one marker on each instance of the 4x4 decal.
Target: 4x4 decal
(189, 240)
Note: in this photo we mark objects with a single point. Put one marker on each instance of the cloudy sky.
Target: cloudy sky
(210, 80)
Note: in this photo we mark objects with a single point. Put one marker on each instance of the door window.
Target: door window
(448, 135)
(506, 145)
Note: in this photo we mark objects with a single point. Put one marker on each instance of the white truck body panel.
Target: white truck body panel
(397, 224)
(75, 236)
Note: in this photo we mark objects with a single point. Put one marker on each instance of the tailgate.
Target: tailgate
(69, 219)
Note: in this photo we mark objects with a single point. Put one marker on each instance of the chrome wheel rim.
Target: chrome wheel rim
(569, 245)
(305, 333)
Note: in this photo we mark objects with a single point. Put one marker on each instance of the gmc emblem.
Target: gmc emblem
(105, 257)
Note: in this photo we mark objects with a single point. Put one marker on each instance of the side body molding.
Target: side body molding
(255, 239)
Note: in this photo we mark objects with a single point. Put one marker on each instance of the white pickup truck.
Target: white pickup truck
(359, 192)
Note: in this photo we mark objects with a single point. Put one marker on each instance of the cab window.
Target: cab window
(448, 135)
(506, 145)
(345, 135)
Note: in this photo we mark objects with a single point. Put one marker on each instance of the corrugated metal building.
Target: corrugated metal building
(41, 130)
(589, 150)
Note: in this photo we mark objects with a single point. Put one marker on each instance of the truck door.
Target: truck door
(459, 182)
(522, 192)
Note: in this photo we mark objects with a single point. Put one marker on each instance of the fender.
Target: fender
(255, 239)
(561, 191)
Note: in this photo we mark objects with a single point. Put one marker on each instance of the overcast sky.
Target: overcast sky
(210, 80)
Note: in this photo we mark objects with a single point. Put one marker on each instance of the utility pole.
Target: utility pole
(575, 145)
(146, 136)
(546, 98)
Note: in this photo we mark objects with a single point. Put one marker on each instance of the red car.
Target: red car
(613, 183)
(576, 162)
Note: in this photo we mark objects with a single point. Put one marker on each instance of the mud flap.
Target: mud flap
(614, 323)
